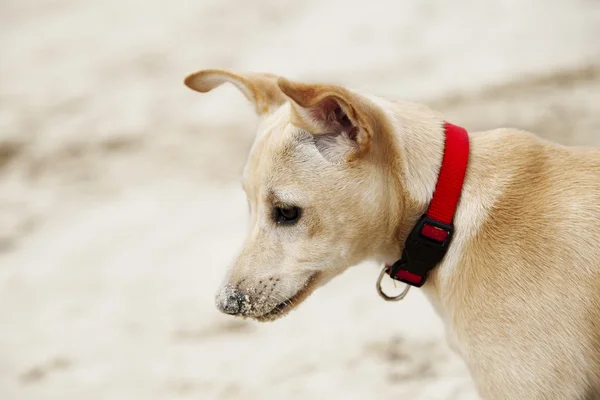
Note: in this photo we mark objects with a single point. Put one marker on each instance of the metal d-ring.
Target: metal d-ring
(385, 296)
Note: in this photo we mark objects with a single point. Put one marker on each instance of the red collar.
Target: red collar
(428, 242)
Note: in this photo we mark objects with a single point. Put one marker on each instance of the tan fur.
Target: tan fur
(518, 291)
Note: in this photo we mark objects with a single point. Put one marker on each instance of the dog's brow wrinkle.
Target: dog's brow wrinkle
(271, 196)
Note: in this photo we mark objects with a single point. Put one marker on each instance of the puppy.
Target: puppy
(336, 177)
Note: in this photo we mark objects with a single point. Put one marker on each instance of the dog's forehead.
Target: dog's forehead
(279, 152)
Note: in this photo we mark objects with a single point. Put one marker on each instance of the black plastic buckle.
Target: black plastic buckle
(421, 254)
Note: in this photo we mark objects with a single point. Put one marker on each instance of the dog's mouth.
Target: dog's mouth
(288, 305)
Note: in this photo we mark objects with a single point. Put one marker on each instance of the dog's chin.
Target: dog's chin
(292, 302)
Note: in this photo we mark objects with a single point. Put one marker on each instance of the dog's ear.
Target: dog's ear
(260, 88)
(341, 122)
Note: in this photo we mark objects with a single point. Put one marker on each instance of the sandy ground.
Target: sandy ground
(119, 199)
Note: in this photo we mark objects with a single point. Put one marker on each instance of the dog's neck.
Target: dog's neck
(420, 142)
(418, 137)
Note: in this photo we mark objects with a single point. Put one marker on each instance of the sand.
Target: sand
(120, 205)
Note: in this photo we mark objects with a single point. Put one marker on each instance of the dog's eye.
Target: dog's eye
(286, 215)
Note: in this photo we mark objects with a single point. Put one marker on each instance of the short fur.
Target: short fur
(518, 291)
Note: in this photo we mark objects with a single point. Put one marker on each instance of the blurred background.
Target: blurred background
(120, 203)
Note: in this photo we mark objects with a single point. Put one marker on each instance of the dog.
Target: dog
(336, 177)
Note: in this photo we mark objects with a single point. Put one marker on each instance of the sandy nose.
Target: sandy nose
(230, 301)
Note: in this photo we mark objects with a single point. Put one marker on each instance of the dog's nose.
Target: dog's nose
(230, 301)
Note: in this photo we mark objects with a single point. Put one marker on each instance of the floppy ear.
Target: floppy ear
(260, 88)
(341, 122)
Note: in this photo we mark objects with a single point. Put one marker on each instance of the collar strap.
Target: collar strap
(429, 240)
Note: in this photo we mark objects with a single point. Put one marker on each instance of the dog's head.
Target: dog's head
(317, 183)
